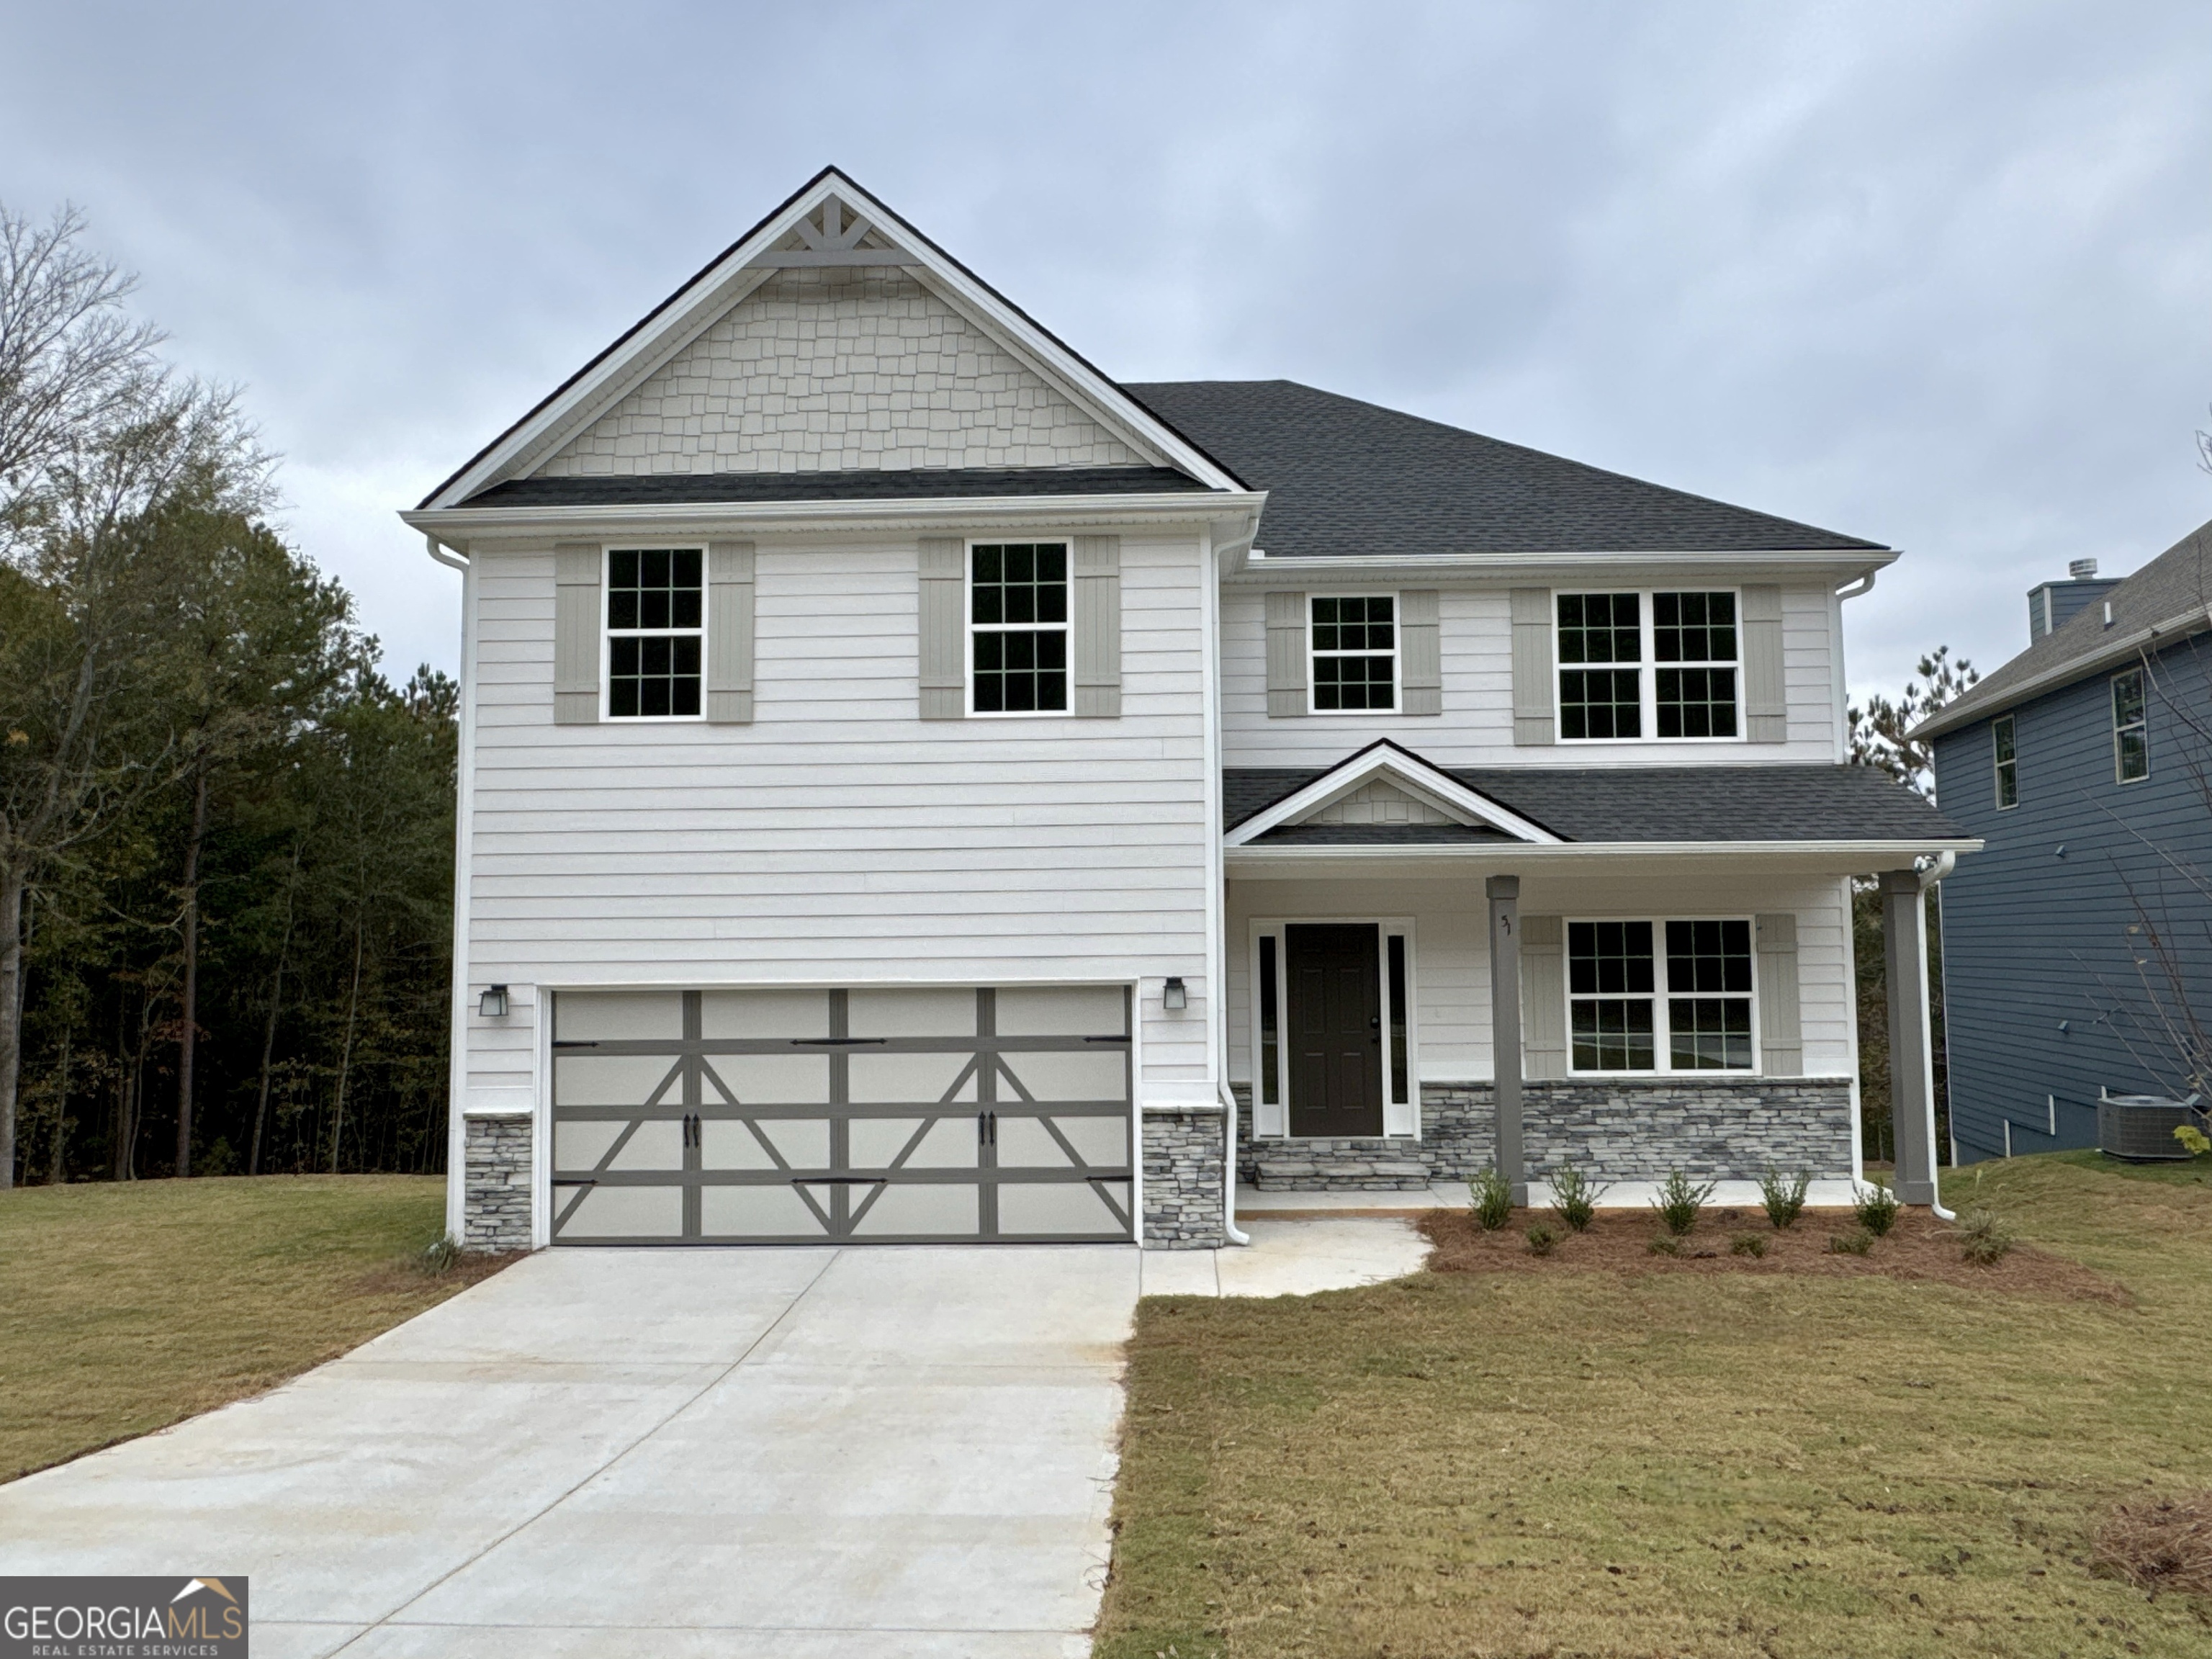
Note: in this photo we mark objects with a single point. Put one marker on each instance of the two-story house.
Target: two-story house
(914, 787)
(2077, 950)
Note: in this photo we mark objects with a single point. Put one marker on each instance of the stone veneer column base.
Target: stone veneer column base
(495, 1184)
(1183, 1168)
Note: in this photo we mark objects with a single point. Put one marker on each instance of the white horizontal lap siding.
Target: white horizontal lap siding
(840, 838)
(1451, 947)
(1476, 640)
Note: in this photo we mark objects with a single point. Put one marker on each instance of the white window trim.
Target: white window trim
(1397, 654)
(969, 626)
(1647, 677)
(1662, 1032)
(1402, 1119)
(2141, 724)
(609, 634)
(1997, 765)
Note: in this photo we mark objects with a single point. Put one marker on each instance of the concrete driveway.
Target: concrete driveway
(787, 1454)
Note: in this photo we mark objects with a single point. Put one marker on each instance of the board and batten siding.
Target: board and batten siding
(1451, 940)
(839, 838)
(1476, 640)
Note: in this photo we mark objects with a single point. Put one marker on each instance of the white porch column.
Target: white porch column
(1911, 1056)
(1505, 895)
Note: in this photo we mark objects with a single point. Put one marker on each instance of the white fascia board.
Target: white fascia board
(733, 275)
(2110, 655)
(1406, 769)
(459, 526)
(1257, 566)
(1847, 857)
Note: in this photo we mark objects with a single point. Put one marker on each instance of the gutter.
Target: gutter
(2065, 673)
(1494, 853)
(1261, 566)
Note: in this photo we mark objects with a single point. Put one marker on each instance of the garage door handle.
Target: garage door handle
(557, 1043)
(1110, 1039)
(833, 1042)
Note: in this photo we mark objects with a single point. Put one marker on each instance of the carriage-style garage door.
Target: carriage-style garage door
(906, 1116)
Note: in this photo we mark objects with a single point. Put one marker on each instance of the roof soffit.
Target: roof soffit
(865, 233)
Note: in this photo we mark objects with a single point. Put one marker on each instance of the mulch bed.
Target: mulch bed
(1918, 1246)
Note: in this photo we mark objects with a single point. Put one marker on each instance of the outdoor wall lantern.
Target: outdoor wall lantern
(1173, 998)
(494, 1006)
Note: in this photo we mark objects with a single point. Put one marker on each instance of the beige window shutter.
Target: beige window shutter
(1781, 1024)
(1420, 653)
(576, 615)
(1765, 694)
(944, 616)
(1286, 654)
(1535, 688)
(1543, 996)
(1096, 625)
(730, 633)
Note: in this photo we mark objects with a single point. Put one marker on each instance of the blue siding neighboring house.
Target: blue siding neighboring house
(2077, 946)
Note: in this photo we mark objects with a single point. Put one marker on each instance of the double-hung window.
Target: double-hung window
(655, 609)
(2004, 749)
(2130, 728)
(1355, 651)
(1634, 1008)
(1018, 627)
(1690, 641)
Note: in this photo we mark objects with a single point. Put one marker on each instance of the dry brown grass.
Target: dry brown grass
(1726, 1457)
(125, 1308)
(1918, 1247)
(2160, 1543)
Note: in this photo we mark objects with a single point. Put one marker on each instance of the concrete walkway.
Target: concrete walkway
(900, 1454)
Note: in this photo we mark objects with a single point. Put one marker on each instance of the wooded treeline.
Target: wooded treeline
(225, 838)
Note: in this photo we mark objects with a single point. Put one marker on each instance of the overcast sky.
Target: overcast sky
(1938, 275)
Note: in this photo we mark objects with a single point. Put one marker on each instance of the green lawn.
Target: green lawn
(125, 1307)
(1650, 1463)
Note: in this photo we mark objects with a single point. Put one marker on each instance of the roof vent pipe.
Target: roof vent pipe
(2082, 570)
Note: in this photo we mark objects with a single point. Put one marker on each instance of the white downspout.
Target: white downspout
(1217, 907)
(1945, 862)
(464, 824)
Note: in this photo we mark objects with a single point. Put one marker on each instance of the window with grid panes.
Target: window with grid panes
(2004, 750)
(1708, 995)
(1600, 678)
(655, 606)
(1693, 649)
(1355, 652)
(1017, 622)
(1609, 984)
(2130, 728)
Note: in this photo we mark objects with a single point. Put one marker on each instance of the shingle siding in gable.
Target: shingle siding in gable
(2031, 940)
(823, 370)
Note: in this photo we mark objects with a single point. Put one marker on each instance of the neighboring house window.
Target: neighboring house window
(1697, 631)
(1355, 652)
(1691, 641)
(2131, 730)
(1625, 1016)
(654, 609)
(1017, 634)
(1601, 689)
(2006, 756)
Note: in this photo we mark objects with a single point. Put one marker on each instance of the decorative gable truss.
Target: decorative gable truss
(1383, 784)
(832, 336)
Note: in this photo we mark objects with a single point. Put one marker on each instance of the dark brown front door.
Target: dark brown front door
(1336, 1029)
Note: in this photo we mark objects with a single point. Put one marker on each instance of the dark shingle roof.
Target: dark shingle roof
(2177, 582)
(915, 483)
(1663, 803)
(1346, 477)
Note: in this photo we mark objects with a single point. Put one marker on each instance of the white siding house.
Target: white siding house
(914, 787)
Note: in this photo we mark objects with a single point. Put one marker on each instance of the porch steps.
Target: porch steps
(1339, 1167)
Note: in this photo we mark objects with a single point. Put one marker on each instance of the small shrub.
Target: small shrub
(1876, 1211)
(1493, 1199)
(2159, 1543)
(1542, 1239)
(1858, 1243)
(1982, 1237)
(1574, 1196)
(439, 1257)
(1665, 1244)
(1679, 1202)
(2198, 1143)
(1746, 1244)
(1784, 1196)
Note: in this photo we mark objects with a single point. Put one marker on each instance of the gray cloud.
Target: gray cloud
(1934, 274)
